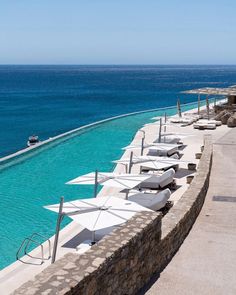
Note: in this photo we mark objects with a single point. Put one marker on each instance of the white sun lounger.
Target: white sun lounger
(163, 150)
(204, 124)
(152, 201)
(218, 123)
(183, 120)
(172, 139)
(155, 181)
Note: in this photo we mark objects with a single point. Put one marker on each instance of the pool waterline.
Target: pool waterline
(30, 151)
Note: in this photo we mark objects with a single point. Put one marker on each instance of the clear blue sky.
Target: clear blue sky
(117, 32)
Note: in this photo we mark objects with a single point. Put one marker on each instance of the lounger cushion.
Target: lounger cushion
(155, 181)
(152, 201)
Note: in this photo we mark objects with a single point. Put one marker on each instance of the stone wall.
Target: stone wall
(124, 261)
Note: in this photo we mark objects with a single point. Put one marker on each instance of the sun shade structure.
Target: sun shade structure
(160, 145)
(156, 148)
(140, 159)
(95, 213)
(152, 162)
(155, 165)
(122, 181)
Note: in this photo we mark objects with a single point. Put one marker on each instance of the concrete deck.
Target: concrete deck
(205, 263)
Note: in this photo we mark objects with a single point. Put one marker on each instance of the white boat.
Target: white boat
(33, 140)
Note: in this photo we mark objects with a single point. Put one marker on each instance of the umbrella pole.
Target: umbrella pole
(59, 219)
(130, 162)
(179, 108)
(159, 137)
(165, 122)
(142, 146)
(207, 107)
(93, 238)
(96, 184)
(199, 102)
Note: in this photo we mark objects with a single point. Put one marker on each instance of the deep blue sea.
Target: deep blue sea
(49, 100)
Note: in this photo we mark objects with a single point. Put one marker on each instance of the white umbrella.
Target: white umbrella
(158, 163)
(111, 179)
(158, 147)
(161, 145)
(99, 213)
(155, 165)
(95, 213)
(90, 178)
(153, 162)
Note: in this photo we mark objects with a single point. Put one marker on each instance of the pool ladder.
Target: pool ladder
(33, 240)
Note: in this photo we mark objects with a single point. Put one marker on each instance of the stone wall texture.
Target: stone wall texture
(124, 261)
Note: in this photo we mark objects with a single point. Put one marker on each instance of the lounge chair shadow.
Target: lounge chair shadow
(183, 172)
(180, 155)
(176, 188)
(84, 235)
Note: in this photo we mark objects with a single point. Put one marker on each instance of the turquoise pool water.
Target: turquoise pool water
(40, 180)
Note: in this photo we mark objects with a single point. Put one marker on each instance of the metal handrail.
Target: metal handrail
(33, 241)
(41, 236)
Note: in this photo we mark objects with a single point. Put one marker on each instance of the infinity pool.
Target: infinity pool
(40, 180)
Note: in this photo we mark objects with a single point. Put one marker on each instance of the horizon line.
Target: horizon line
(109, 64)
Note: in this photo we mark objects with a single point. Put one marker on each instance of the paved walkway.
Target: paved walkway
(206, 262)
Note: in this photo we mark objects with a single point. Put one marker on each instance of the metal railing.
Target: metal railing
(31, 240)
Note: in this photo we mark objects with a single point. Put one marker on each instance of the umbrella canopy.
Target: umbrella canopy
(156, 165)
(161, 160)
(98, 213)
(123, 181)
(160, 145)
(153, 162)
